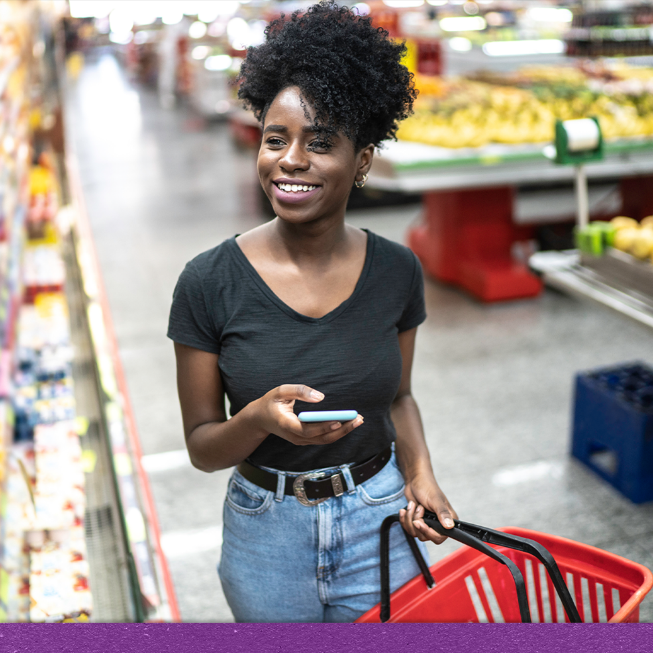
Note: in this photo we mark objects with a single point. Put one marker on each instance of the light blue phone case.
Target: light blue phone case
(327, 415)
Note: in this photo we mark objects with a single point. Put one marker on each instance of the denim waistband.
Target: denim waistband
(333, 469)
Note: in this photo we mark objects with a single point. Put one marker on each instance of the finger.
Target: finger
(445, 518)
(426, 533)
(290, 422)
(445, 513)
(291, 391)
(417, 520)
(315, 430)
(406, 518)
(340, 432)
(405, 524)
(302, 436)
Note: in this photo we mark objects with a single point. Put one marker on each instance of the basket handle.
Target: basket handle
(482, 534)
(456, 534)
(387, 524)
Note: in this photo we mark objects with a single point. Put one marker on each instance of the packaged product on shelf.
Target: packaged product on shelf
(59, 493)
(43, 386)
(17, 518)
(58, 579)
(43, 202)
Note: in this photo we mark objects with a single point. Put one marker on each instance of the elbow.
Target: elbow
(402, 396)
(199, 464)
(199, 461)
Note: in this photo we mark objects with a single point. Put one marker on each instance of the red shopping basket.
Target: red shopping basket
(504, 578)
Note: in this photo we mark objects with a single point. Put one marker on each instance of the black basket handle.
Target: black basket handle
(483, 534)
(478, 538)
(461, 536)
(387, 524)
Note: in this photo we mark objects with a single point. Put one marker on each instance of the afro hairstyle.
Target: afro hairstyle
(348, 70)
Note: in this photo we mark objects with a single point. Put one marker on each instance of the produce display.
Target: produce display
(622, 233)
(522, 107)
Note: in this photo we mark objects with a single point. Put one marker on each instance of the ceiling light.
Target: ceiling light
(218, 62)
(197, 30)
(460, 44)
(521, 48)
(462, 23)
(403, 4)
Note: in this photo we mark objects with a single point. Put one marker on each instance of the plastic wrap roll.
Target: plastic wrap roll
(582, 135)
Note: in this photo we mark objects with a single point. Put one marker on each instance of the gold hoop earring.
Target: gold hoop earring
(361, 183)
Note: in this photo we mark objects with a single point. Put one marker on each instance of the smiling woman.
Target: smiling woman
(309, 310)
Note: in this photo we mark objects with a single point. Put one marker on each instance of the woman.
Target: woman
(306, 312)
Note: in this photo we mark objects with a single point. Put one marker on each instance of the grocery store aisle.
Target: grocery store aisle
(494, 382)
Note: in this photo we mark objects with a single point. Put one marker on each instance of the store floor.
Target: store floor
(494, 383)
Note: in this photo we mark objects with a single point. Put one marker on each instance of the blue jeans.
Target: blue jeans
(286, 562)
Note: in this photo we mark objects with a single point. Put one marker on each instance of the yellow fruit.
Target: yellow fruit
(621, 222)
(647, 222)
(624, 239)
(643, 244)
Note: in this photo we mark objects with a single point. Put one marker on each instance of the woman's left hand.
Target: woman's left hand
(423, 492)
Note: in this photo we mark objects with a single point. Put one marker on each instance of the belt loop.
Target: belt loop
(281, 486)
(349, 479)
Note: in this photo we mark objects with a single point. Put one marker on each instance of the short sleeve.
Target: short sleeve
(415, 310)
(190, 323)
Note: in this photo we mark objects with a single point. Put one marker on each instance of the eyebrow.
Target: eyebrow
(307, 129)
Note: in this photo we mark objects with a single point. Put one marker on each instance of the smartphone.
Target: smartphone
(327, 415)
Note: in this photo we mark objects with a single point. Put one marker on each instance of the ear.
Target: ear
(364, 160)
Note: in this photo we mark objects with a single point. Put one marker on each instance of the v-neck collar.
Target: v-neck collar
(267, 291)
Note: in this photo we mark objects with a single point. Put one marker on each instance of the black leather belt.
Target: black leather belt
(307, 488)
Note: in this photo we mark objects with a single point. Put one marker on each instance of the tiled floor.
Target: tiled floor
(494, 383)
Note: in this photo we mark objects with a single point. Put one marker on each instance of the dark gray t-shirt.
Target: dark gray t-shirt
(221, 305)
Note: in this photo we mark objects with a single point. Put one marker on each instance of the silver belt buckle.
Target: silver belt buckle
(300, 491)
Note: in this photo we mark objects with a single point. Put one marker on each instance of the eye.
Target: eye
(319, 145)
(275, 142)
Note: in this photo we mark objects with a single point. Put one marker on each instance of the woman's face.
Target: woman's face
(304, 178)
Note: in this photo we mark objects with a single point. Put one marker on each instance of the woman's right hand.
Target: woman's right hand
(274, 414)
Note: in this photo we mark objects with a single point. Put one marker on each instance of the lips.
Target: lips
(291, 191)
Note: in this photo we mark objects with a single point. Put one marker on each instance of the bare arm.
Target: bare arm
(422, 490)
(215, 442)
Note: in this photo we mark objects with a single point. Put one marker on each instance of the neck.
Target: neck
(309, 242)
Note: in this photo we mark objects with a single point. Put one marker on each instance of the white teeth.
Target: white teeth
(295, 188)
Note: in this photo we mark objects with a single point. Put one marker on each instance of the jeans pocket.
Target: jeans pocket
(248, 500)
(385, 487)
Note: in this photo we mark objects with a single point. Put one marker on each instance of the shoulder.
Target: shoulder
(208, 261)
(211, 265)
(391, 255)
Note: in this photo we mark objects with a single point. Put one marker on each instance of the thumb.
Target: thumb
(291, 391)
(445, 518)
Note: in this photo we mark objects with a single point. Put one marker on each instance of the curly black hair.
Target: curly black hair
(347, 69)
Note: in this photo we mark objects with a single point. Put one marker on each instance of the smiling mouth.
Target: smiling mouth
(294, 188)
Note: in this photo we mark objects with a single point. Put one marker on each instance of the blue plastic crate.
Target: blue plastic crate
(613, 427)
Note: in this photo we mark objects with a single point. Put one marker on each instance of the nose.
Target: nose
(294, 158)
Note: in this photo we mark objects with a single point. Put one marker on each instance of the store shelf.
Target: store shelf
(108, 556)
(416, 168)
(79, 538)
(150, 581)
(565, 271)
